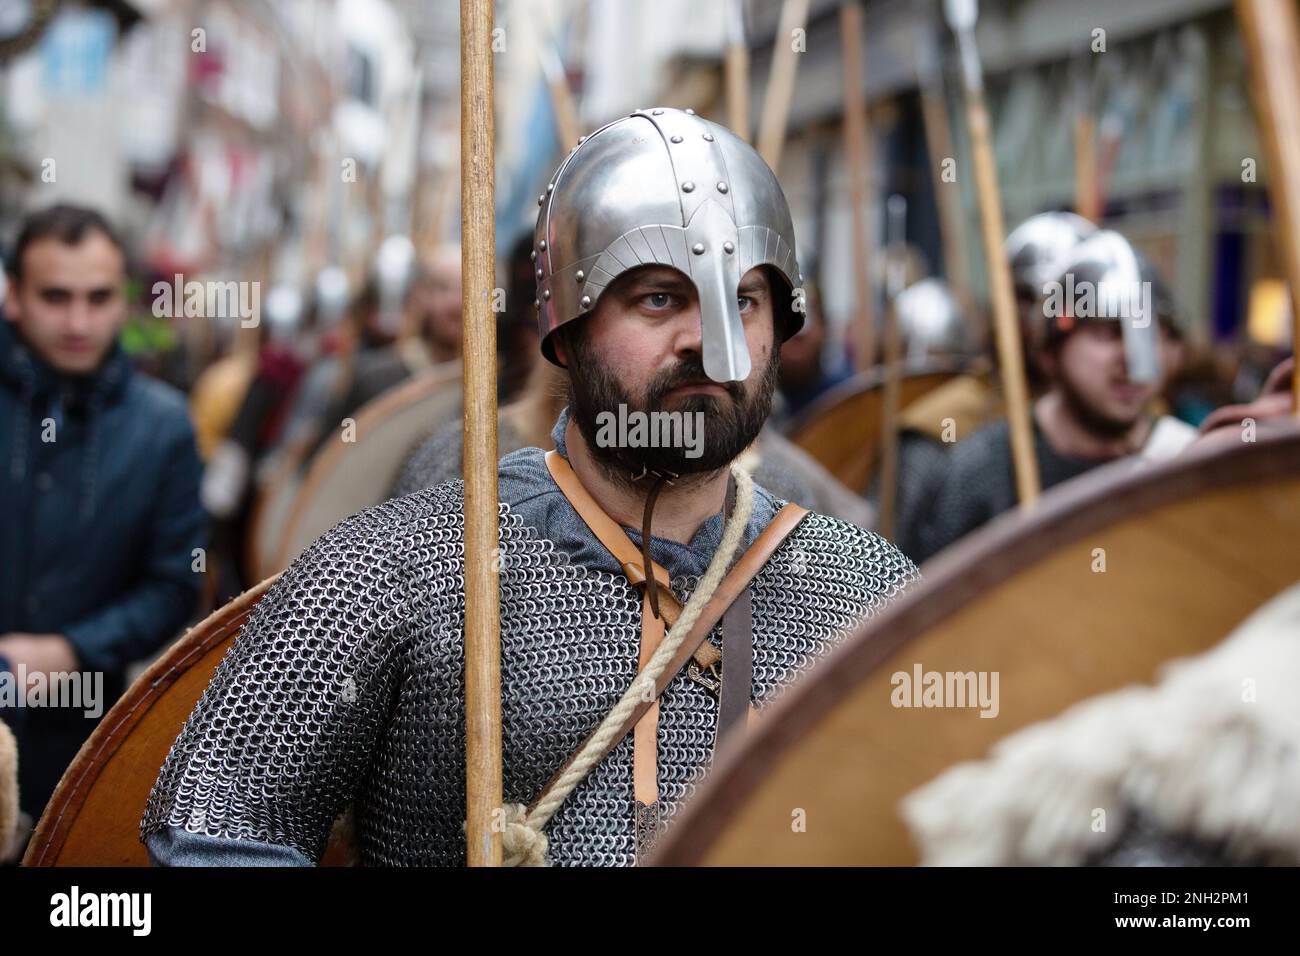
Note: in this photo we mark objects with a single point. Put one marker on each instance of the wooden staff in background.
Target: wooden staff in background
(961, 15)
(737, 71)
(780, 83)
(1272, 36)
(938, 142)
(896, 279)
(1087, 194)
(482, 586)
(857, 161)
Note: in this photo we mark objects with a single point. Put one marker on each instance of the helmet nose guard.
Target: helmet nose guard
(664, 187)
(1126, 288)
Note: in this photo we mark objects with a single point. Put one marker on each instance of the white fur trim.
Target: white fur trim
(1195, 754)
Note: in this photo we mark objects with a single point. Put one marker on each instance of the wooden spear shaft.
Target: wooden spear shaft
(857, 153)
(1087, 195)
(737, 77)
(938, 143)
(893, 365)
(1006, 325)
(934, 115)
(780, 85)
(1272, 34)
(482, 591)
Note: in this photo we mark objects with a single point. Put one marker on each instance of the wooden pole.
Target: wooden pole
(938, 141)
(857, 160)
(780, 84)
(1087, 195)
(961, 16)
(482, 587)
(934, 113)
(736, 72)
(897, 279)
(1272, 34)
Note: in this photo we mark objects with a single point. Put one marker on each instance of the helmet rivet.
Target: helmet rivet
(546, 294)
(676, 139)
(728, 248)
(542, 245)
(658, 112)
(722, 187)
(541, 199)
(537, 304)
(539, 273)
(690, 112)
(581, 140)
(533, 256)
(708, 137)
(688, 186)
(580, 276)
(585, 302)
(550, 188)
(698, 248)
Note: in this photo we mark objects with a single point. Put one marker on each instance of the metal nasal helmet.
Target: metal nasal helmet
(663, 186)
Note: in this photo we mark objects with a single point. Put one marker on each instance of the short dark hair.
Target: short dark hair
(63, 222)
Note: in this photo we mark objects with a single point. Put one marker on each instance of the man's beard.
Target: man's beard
(729, 427)
(1094, 422)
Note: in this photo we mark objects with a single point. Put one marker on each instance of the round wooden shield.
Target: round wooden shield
(93, 819)
(1107, 579)
(842, 428)
(349, 476)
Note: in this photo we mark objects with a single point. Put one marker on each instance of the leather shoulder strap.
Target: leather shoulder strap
(607, 530)
(731, 586)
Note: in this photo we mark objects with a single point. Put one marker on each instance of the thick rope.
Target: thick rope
(523, 842)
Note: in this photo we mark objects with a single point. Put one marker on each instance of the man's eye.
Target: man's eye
(657, 300)
(745, 302)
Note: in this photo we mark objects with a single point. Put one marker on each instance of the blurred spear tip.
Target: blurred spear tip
(961, 14)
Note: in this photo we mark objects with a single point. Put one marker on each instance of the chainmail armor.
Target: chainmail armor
(346, 685)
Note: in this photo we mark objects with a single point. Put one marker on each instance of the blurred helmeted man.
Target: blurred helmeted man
(666, 276)
(1036, 250)
(972, 400)
(1111, 344)
(100, 522)
(432, 307)
(933, 325)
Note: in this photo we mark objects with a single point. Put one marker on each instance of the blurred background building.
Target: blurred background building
(268, 140)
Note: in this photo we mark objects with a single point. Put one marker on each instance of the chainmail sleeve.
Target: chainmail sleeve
(819, 587)
(975, 486)
(286, 730)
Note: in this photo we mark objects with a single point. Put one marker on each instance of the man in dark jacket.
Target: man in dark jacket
(101, 529)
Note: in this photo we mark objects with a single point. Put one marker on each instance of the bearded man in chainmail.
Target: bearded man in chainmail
(666, 273)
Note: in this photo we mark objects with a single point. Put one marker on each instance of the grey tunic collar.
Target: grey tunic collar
(527, 487)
